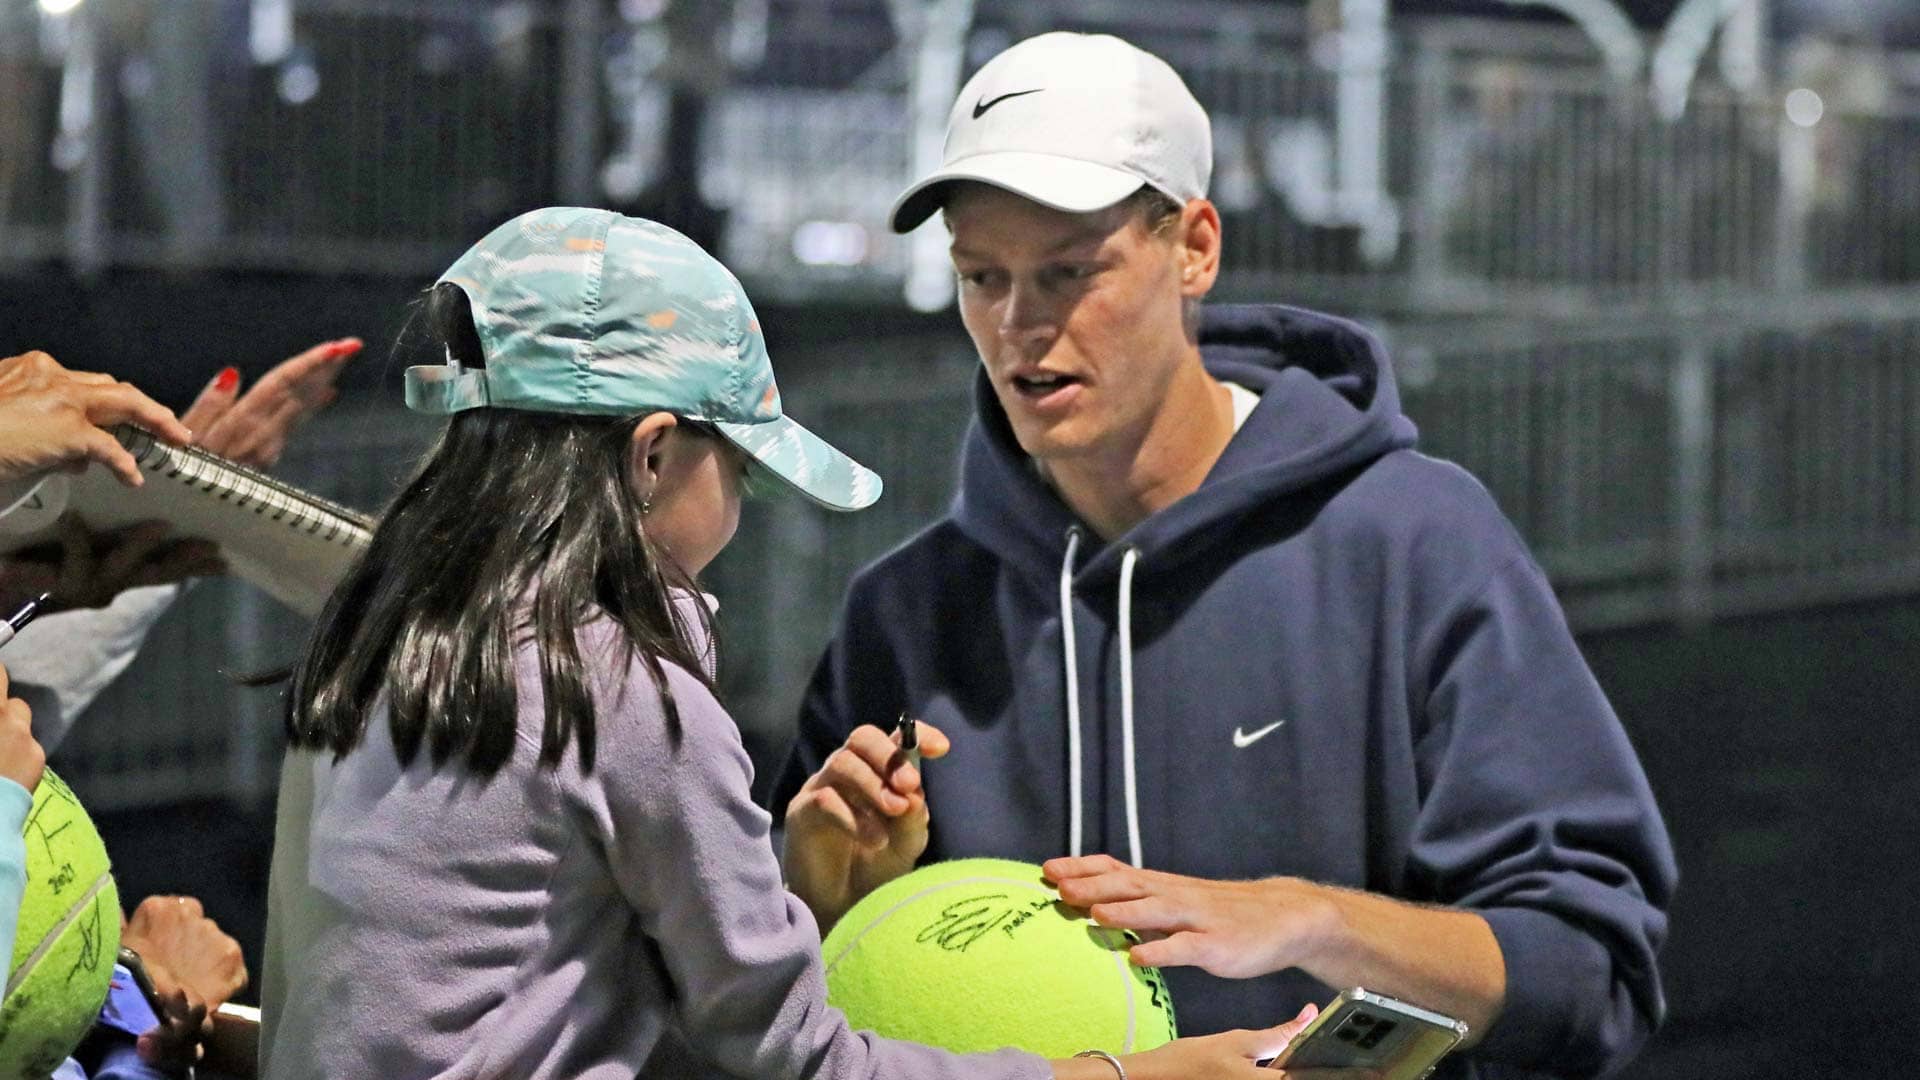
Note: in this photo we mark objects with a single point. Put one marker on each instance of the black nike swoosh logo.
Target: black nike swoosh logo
(980, 108)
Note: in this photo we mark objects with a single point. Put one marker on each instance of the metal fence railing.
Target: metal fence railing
(382, 136)
(376, 136)
(1691, 469)
(1661, 471)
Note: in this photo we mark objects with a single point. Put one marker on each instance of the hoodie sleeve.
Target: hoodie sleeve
(65, 660)
(691, 851)
(1535, 813)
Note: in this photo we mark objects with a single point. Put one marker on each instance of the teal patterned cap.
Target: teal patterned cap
(587, 311)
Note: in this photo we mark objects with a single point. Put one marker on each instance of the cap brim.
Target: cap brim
(806, 463)
(1062, 183)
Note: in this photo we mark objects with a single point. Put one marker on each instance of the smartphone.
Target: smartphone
(138, 971)
(132, 1006)
(1364, 1030)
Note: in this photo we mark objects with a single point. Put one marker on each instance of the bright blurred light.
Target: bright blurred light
(270, 31)
(930, 291)
(830, 243)
(58, 7)
(1805, 108)
(69, 152)
(622, 178)
(299, 82)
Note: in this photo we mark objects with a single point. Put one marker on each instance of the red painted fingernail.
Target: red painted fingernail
(227, 380)
(345, 347)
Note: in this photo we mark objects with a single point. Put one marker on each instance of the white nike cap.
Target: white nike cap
(1076, 122)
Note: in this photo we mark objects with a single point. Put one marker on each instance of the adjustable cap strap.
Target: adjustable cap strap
(445, 389)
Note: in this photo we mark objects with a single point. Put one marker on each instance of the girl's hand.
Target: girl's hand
(1230, 1054)
(859, 822)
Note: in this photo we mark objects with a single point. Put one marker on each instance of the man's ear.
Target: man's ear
(1199, 248)
(643, 463)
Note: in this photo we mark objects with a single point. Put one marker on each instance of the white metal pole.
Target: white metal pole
(933, 36)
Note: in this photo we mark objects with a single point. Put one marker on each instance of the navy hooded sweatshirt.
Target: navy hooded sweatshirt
(1343, 665)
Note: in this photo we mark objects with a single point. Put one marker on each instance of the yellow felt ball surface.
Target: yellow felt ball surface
(66, 941)
(979, 954)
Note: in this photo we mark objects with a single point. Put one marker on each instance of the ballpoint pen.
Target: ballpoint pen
(18, 620)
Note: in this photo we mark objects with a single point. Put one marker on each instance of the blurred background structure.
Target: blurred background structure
(1649, 268)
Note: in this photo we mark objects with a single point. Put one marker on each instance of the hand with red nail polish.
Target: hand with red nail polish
(252, 428)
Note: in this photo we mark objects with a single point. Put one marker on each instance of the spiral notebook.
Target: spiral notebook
(292, 543)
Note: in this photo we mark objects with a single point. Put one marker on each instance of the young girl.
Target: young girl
(515, 836)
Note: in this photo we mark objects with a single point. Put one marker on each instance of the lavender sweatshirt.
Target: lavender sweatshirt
(547, 922)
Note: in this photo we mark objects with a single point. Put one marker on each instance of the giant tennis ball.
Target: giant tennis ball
(978, 954)
(67, 939)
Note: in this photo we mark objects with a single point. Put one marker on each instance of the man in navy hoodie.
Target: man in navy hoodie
(1199, 604)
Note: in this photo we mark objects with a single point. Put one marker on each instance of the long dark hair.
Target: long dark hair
(518, 527)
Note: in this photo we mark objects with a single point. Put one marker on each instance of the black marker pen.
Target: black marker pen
(18, 620)
(910, 739)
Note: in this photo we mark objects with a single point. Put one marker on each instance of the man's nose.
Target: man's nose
(1027, 317)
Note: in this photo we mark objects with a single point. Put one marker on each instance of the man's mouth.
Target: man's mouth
(1043, 384)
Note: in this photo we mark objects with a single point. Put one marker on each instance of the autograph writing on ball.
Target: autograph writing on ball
(965, 921)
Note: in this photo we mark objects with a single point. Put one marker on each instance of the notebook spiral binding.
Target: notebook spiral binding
(245, 487)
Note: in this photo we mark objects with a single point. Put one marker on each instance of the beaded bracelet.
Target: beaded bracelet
(1108, 1058)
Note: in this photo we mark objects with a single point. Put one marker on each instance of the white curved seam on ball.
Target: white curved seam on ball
(53, 935)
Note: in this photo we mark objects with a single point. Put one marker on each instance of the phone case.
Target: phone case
(1364, 1030)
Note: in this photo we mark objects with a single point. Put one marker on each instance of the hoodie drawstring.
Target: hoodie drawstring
(1076, 797)
(1074, 823)
(1127, 564)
